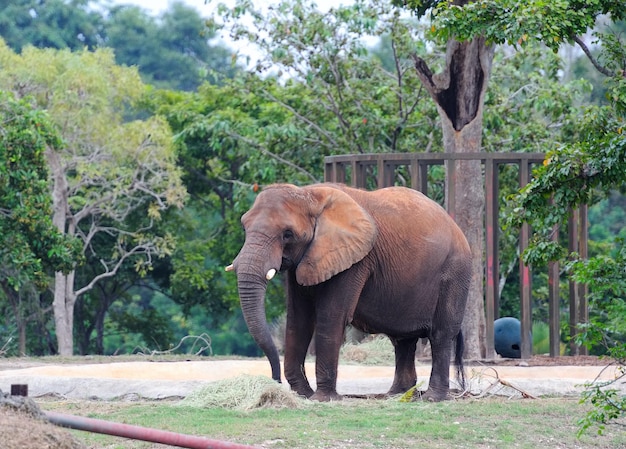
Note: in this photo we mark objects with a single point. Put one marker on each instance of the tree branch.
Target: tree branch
(275, 156)
(302, 117)
(139, 249)
(593, 60)
(426, 76)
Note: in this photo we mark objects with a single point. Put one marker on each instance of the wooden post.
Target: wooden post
(554, 301)
(491, 250)
(583, 289)
(525, 276)
(572, 236)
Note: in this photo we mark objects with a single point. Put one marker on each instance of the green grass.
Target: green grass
(485, 423)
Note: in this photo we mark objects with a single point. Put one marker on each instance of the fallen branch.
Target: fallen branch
(204, 338)
(499, 382)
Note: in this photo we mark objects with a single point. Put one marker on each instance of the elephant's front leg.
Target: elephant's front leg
(328, 339)
(332, 311)
(299, 331)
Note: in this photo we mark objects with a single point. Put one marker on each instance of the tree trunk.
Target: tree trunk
(63, 307)
(64, 297)
(459, 92)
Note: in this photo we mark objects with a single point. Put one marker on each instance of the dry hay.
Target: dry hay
(375, 350)
(22, 425)
(244, 392)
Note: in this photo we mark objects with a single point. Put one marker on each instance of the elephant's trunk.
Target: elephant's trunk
(252, 287)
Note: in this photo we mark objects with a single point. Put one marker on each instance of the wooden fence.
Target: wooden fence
(411, 169)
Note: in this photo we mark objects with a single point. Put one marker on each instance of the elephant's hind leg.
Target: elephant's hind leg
(439, 384)
(405, 376)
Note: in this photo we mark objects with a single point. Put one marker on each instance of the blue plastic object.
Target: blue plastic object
(508, 337)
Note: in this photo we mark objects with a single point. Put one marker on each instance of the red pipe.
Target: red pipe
(139, 433)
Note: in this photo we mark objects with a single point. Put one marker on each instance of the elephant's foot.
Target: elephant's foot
(324, 396)
(306, 392)
(430, 396)
(399, 389)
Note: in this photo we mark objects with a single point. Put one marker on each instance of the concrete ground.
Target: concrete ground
(159, 380)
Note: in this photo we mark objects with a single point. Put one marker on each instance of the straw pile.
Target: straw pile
(243, 392)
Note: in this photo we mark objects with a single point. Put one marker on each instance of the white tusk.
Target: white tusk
(229, 268)
(270, 274)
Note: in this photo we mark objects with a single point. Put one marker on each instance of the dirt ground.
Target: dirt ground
(22, 425)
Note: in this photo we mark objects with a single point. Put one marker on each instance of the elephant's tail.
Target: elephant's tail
(458, 360)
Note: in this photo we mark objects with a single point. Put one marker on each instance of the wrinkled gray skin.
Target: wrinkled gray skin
(390, 261)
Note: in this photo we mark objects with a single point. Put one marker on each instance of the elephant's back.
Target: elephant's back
(410, 221)
(399, 200)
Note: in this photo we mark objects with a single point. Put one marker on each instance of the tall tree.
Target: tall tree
(30, 245)
(109, 168)
(174, 51)
(582, 172)
(56, 24)
(470, 29)
(459, 90)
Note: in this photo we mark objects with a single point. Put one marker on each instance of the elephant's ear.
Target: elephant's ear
(344, 234)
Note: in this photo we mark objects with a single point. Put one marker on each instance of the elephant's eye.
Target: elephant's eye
(288, 235)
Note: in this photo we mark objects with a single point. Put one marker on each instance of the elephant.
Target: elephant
(389, 261)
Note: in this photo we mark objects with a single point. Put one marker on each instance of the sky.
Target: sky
(158, 6)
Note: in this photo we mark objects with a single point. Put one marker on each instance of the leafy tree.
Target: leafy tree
(30, 245)
(73, 24)
(580, 173)
(470, 30)
(220, 172)
(358, 103)
(173, 52)
(108, 169)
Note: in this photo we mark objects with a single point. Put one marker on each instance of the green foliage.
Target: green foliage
(607, 218)
(608, 406)
(339, 97)
(139, 325)
(419, 7)
(606, 278)
(526, 87)
(113, 178)
(172, 52)
(517, 22)
(569, 176)
(58, 24)
(31, 247)
(580, 173)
